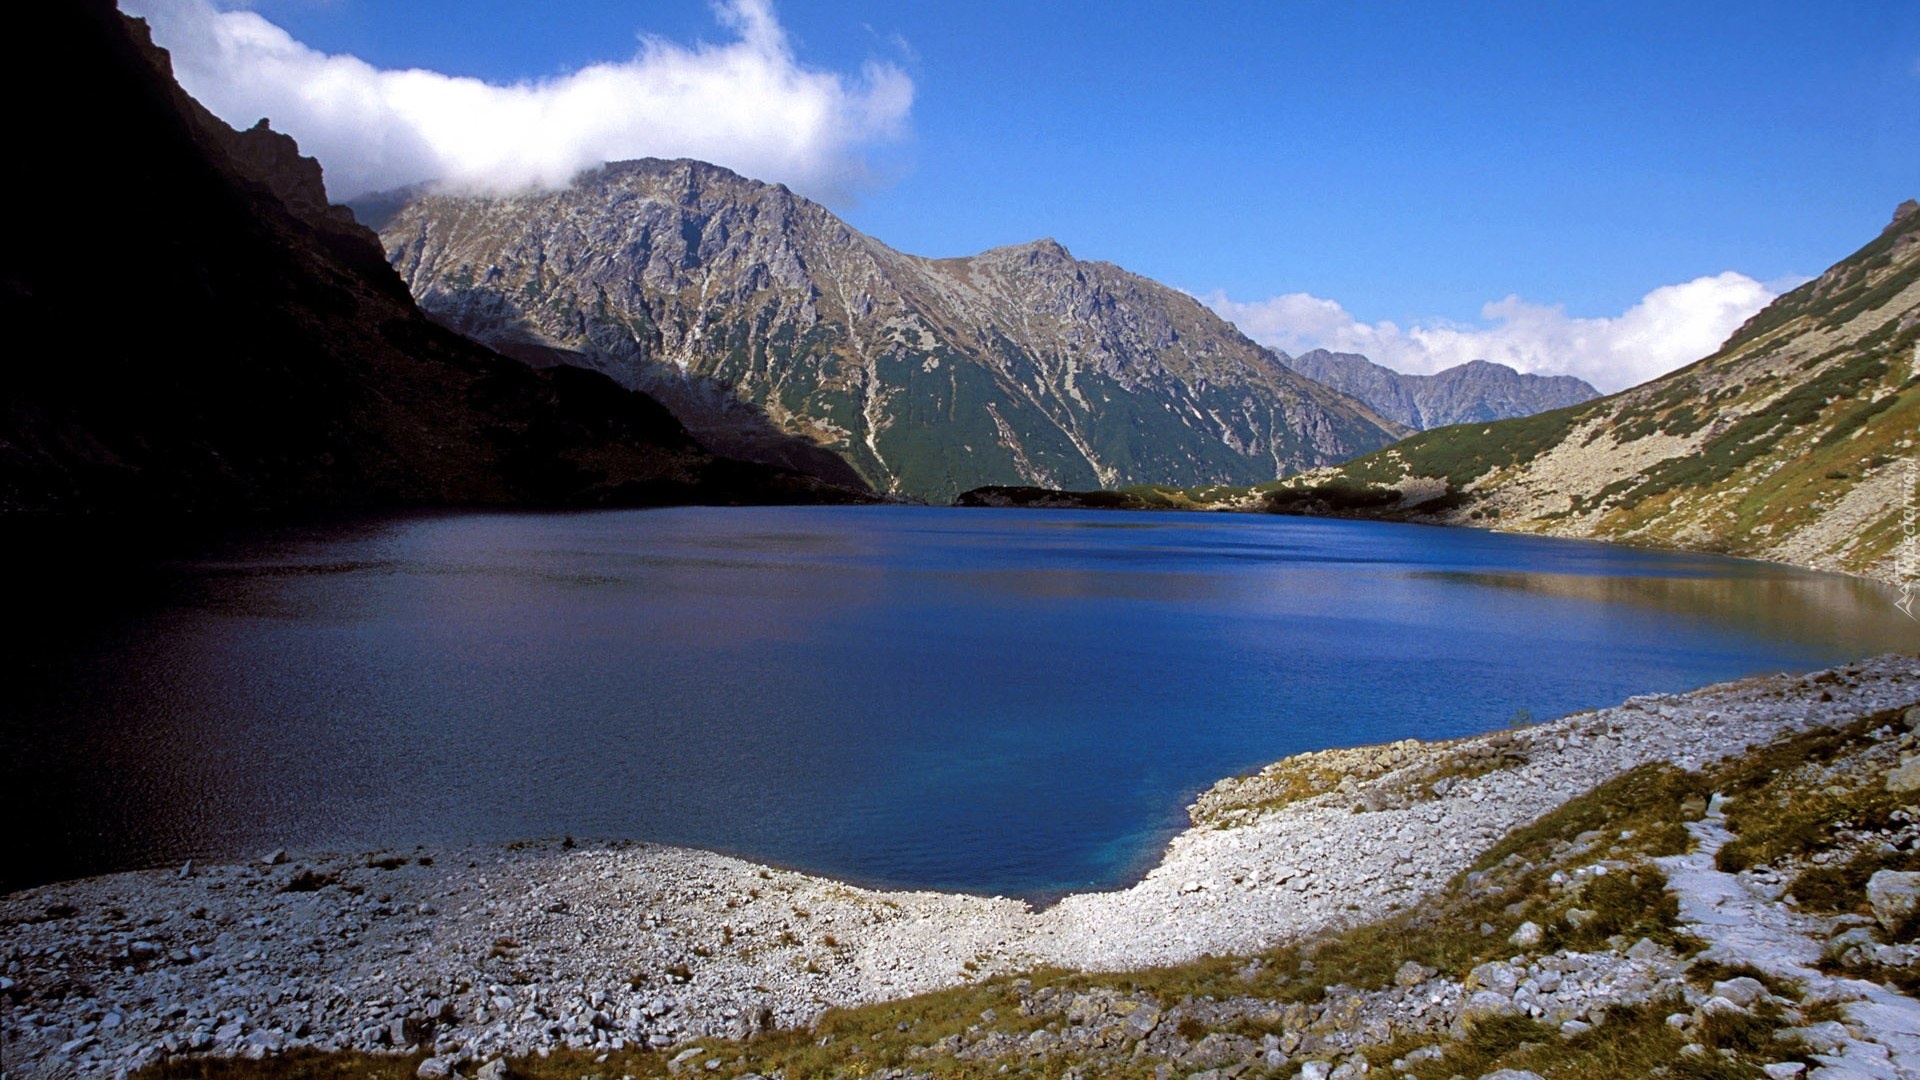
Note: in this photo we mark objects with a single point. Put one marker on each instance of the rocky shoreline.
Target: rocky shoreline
(474, 953)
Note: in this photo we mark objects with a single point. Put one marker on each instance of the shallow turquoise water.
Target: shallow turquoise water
(1013, 702)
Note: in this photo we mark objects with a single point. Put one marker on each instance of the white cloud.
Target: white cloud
(1668, 328)
(747, 104)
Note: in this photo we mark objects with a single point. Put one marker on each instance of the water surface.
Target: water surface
(1014, 702)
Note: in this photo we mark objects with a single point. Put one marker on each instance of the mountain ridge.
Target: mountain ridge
(1473, 392)
(760, 316)
(256, 352)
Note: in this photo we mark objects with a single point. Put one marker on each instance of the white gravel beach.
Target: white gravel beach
(489, 950)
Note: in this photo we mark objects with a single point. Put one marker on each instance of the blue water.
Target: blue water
(1012, 702)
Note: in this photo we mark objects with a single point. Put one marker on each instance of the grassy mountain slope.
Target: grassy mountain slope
(1794, 442)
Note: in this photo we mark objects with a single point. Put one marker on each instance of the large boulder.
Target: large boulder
(1893, 894)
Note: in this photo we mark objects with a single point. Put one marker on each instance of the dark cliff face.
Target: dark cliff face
(192, 328)
(1474, 392)
(768, 324)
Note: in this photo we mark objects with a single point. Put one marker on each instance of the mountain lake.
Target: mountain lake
(1010, 702)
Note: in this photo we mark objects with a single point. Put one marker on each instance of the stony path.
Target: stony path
(1882, 1039)
(496, 950)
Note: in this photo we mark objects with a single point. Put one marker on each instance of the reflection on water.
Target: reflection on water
(1826, 607)
(1017, 702)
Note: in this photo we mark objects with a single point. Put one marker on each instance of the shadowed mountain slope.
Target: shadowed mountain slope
(192, 328)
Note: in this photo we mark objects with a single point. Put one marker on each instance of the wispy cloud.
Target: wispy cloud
(1668, 328)
(748, 104)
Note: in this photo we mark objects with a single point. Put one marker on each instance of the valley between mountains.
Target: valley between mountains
(1794, 442)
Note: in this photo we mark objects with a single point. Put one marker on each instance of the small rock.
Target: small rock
(434, 1068)
(1742, 991)
(1511, 1074)
(1315, 1070)
(493, 1070)
(1784, 1070)
(274, 857)
(1495, 975)
(1411, 973)
(1719, 1006)
(1485, 1004)
(1527, 936)
(1905, 776)
(1826, 1037)
(1643, 949)
(1893, 895)
(1571, 1028)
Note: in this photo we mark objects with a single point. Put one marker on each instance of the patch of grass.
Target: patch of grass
(1771, 819)
(1631, 904)
(1842, 887)
(1644, 801)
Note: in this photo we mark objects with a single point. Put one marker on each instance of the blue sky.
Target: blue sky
(1411, 164)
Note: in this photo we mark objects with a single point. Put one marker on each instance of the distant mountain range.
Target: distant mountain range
(192, 328)
(1469, 393)
(1794, 442)
(775, 331)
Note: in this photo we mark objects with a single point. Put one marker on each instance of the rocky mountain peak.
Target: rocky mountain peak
(690, 181)
(1473, 392)
(269, 156)
(1904, 211)
(772, 327)
(1045, 252)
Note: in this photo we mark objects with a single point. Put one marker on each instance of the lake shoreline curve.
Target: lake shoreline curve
(479, 952)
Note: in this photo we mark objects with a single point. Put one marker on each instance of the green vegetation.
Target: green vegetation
(1465, 452)
(1773, 819)
(1335, 497)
